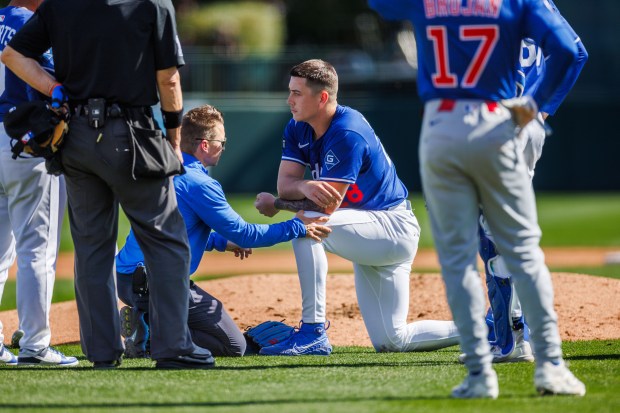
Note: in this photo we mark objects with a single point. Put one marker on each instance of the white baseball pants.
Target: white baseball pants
(382, 246)
(31, 212)
(469, 157)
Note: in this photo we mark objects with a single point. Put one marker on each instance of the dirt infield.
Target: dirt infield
(588, 307)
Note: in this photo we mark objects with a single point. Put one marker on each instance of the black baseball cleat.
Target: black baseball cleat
(129, 321)
(107, 364)
(189, 361)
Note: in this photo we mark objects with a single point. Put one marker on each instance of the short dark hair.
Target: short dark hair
(198, 124)
(320, 75)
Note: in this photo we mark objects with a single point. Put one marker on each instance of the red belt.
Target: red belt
(447, 105)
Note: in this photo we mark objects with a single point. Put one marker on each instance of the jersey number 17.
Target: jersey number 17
(486, 35)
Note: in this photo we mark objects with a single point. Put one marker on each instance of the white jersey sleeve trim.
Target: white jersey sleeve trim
(287, 158)
(348, 181)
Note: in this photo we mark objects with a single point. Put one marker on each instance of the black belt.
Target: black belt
(113, 110)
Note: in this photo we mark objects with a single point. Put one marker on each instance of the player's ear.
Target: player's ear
(204, 145)
(324, 97)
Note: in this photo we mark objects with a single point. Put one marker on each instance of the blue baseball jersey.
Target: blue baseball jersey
(204, 208)
(470, 48)
(349, 152)
(532, 67)
(14, 90)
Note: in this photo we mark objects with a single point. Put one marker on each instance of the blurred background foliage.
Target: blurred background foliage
(234, 28)
(238, 54)
(228, 66)
(291, 22)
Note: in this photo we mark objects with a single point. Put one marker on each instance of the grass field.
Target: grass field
(569, 219)
(352, 379)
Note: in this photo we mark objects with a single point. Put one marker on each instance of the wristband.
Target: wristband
(172, 120)
(53, 87)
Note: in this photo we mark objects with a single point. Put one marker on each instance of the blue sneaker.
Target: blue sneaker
(6, 357)
(309, 340)
(49, 356)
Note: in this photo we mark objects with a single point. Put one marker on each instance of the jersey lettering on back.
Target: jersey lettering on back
(6, 33)
(445, 8)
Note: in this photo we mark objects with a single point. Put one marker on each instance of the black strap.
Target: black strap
(139, 281)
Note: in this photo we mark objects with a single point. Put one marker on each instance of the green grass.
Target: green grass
(609, 271)
(352, 379)
(591, 219)
(579, 219)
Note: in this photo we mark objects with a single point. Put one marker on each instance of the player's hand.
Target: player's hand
(240, 253)
(319, 219)
(317, 232)
(523, 109)
(265, 204)
(321, 193)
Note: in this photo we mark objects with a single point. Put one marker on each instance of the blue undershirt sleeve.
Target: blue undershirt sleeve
(216, 242)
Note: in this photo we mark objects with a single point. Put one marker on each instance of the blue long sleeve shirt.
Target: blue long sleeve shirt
(204, 208)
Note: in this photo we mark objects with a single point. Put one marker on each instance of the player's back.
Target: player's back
(469, 48)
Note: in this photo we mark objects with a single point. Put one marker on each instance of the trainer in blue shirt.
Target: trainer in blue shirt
(204, 208)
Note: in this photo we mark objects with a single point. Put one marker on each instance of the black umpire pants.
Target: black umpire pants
(210, 324)
(97, 164)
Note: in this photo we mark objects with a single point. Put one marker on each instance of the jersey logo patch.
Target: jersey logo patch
(331, 160)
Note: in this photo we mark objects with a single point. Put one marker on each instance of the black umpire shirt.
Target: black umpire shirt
(105, 48)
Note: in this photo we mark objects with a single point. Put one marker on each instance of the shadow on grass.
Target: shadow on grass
(55, 369)
(294, 401)
(595, 357)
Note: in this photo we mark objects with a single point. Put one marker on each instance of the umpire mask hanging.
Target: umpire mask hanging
(35, 129)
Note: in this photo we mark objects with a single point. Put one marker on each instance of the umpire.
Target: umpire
(112, 57)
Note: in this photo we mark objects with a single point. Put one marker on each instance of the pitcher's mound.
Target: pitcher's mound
(588, 307)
